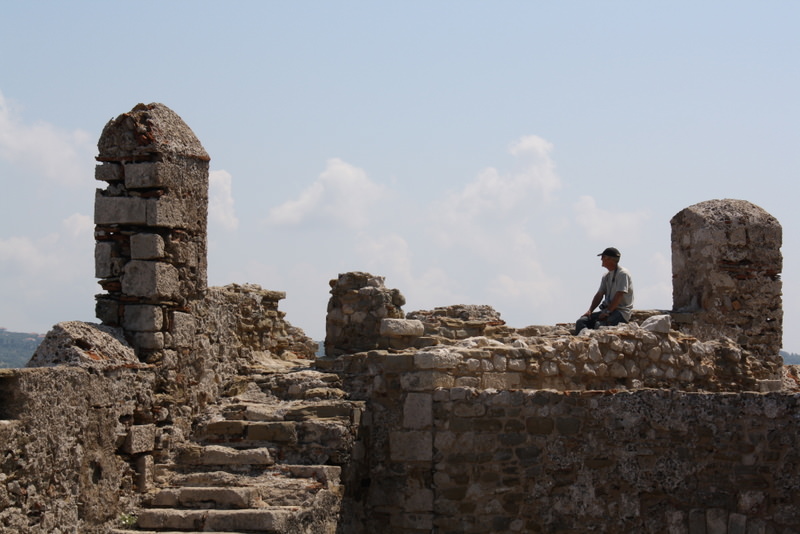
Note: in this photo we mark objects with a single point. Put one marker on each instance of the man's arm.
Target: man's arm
(595, 302)
(614, 303)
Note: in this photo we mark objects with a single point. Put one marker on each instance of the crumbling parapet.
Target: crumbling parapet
(150, 227)
(726, 265)
(626, 357)
(359, 302)
(460, 321)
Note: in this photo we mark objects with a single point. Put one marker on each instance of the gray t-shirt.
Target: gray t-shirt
(613, 282)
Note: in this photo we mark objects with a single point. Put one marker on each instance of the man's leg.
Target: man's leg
(614, 319)
(586, 322)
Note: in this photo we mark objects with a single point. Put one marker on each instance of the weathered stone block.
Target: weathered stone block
(142, 175)
(167, 213)
(420, 500)
(144, 473)
(103, 260)
(418, 410)
(149, 340)
(426, 381)
(411, 446)
(183, 329)
(437, 359)
(143, 318)
(119, 210)
(276, 432)
(501, 380)
(401, 327)
(108, 172)
(147, 246)
(150, 279)
(232, 429)
(141, 438)
(468, 382)
(540, 425)
(108, 311)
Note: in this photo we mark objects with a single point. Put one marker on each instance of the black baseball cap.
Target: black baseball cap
(611, 252)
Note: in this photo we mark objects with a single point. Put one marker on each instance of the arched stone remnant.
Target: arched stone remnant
(726, 265)
(150, 226)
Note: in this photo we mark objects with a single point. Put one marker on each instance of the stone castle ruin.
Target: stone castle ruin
(201, 409)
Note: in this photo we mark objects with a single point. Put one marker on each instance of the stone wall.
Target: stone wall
(81, 430)
(465, 460)
(459, 447)
(726, 266)
(71, 443)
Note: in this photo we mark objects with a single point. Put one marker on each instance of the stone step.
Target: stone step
(301, 384)
(208, 497)
(243, 430)
(291, 410)
(211, 455)
(327, 475)
(324, 410)
(312, 441)
(264, 520)
(293, 486)
(243, 434)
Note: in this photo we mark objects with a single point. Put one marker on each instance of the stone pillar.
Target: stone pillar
(358, 304)
(726, 265)
(150, 228)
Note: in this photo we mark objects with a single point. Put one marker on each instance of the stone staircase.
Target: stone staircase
(265, 460)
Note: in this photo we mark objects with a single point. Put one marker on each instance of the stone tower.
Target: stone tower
(726, 265)
(150, 228)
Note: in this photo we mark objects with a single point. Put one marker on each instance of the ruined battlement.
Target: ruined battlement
(197, 409)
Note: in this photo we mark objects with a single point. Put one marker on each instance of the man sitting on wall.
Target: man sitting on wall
(615, 295)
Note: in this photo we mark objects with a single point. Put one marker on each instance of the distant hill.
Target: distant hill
(16, 348)
(790, 358)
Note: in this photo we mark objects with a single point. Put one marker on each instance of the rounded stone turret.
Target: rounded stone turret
(150, 228)
(726, 265)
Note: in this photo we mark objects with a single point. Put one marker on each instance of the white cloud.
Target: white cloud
(77, 225)
(655, 289)
(343, 194)
(388, 251)
(520, 281)
(603, 225)
(220, 200)
(66, 158)
(538, 167)
(494, 195)
(425, 286)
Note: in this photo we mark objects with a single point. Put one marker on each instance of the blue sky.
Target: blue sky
(470, 152)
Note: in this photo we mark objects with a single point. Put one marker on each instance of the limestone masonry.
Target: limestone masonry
(201, 409)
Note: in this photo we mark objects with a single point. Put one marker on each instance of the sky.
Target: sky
(470, 152)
